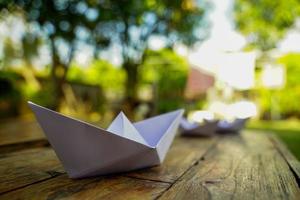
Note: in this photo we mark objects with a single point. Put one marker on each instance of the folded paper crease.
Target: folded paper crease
(86, 150)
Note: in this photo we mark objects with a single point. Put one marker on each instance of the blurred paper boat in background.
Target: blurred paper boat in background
(86, 150)
(208, 128)
(231, 127)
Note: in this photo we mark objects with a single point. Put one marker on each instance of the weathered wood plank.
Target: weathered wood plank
(18, 131)
(16, 171)
(4, 149)
(246, 166)
(183, 154)
(15, 132)
(293, 162)
(27, 167)
(240, 167)
(115, 187)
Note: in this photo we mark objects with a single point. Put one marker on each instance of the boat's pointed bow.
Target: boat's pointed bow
(168, 137)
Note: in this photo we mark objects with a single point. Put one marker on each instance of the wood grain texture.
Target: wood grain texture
(246, 166)
(183, 154)
(292, 161)
(114, 187)
(20, 134)
(29, 166)
(19, 131)
(26, 167)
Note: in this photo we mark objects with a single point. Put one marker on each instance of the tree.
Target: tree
(112, 83)
(132, 23)
(289, 95)
(284, 99)
(63, 24)
(265, 22)
(167, 73)
(129, 23)
(23, 50)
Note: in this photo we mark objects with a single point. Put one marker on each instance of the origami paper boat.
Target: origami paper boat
(209, 128)
(86, 150)
(233, 127)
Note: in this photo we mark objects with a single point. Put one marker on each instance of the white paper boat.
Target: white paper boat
(208, 128)
(86, 150)
(231, 127)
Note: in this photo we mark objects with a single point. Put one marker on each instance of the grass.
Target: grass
(287, 130)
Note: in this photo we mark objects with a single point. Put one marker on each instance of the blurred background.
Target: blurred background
(90, 59)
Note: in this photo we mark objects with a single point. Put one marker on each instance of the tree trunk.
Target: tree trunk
(58, 76)
(131, 88)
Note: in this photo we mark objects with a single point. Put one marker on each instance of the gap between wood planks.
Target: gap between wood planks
(291, 160)
(35, 182)
(286, 156)
(55, 174)
(10, 148)
(202, 158)
(295, 175)
(259, 149)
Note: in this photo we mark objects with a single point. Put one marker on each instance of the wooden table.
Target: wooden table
(245, 166)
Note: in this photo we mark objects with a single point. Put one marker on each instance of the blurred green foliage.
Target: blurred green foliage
(42, 97)
(290, 95)
(99, 72)
(286, 98)
(265, 22)
(167, 73)
(128, 24)
(287, 130)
